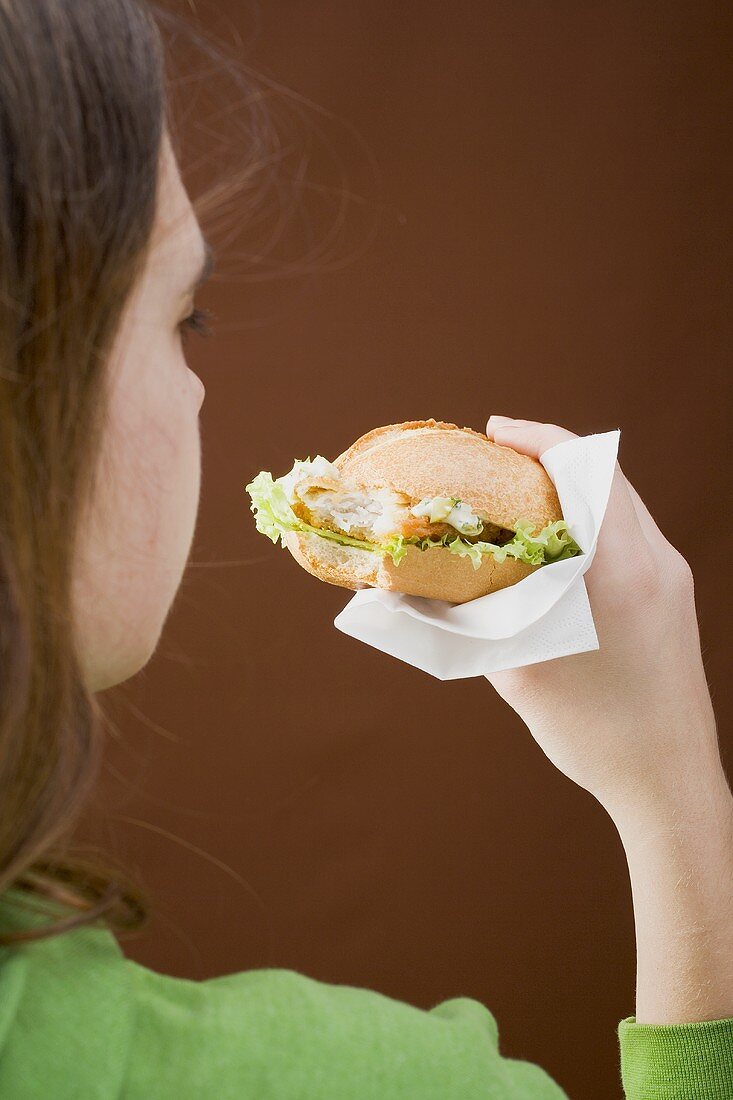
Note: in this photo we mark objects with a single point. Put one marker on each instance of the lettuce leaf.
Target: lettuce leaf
(552, 543)
(274, 517)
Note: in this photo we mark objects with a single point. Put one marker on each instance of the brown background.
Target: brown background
(538, 228)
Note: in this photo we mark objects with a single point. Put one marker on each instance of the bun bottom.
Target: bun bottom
(435, 574)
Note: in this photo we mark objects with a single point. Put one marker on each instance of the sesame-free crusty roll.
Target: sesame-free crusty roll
(425, 507)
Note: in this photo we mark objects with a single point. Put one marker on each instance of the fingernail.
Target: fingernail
(504, 419)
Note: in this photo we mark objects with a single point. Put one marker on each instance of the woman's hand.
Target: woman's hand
(631, 722)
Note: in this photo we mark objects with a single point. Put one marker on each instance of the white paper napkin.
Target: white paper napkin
(546, 615)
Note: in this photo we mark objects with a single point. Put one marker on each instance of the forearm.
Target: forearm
(680, 859)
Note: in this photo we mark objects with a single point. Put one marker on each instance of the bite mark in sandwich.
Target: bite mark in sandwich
(427, 493)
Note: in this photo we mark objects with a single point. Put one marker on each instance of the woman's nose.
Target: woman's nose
(202, 388)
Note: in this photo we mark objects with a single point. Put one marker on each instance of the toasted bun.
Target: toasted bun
(433, 573)
(432, 458)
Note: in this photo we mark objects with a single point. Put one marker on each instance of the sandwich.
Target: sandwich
(424, 508)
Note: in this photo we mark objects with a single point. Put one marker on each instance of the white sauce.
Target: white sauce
(381, 512)
(449, 510)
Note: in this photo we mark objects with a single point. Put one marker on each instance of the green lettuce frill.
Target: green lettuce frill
(274, 517)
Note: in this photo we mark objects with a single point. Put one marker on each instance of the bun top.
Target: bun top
(426, 458)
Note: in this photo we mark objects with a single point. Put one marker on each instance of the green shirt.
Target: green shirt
(80, 1021)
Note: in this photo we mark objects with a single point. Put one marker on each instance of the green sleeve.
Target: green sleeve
(677, 1061)
(280, 1035)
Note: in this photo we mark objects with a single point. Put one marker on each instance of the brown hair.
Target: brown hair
(83, 109)
(84, 104)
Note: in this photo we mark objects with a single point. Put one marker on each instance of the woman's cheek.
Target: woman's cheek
(147, 517)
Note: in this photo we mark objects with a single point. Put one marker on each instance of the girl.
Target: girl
(100, 255)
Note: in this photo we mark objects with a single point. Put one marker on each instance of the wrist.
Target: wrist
(686, 791)
(699, 816)
(680, 860)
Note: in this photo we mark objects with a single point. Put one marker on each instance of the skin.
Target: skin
(636, 725)
(633, 724)
(138, 534)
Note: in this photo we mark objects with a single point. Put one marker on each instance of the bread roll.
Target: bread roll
(427, 458)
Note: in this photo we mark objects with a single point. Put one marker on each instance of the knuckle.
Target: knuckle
(661, 575)
(680, 572)
(648, 581)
